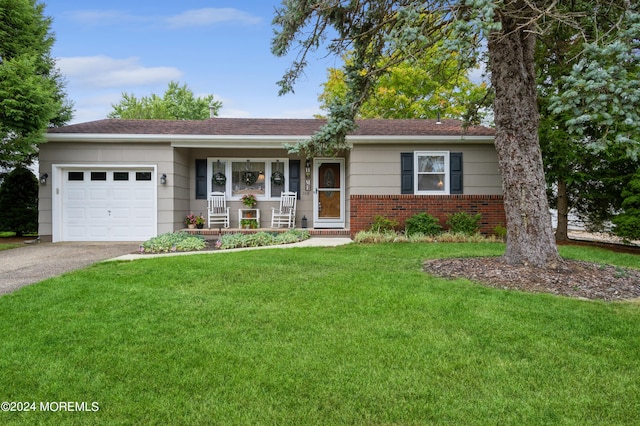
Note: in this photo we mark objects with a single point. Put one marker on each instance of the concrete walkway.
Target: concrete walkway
(36, 262)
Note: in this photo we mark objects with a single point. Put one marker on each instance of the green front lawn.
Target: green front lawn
(7, 246)
(349, 335)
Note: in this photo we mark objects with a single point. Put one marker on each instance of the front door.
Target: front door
(329, 195)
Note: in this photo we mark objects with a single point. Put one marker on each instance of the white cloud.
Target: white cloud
(103, 71)
(211, 16)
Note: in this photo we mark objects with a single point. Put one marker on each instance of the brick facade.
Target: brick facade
(364, 208)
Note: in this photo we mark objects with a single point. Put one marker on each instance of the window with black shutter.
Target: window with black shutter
(201, 179)
(455, 173)
(408, 172)
(294, 176)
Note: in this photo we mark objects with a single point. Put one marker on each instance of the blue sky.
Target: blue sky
(216, 47)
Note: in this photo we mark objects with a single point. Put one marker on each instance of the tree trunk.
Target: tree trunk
(563, 212)
(530, 239)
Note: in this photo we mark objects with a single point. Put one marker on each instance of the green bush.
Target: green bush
(173, 241)
(371, 236)
(500, 231)
(19, 202)
(627, 223)
(423, 223)
(230, 241)
(464, 223)
(381, 224)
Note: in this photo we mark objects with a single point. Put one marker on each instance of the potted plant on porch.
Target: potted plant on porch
(249, 223)
(194, 221)
(249, 200)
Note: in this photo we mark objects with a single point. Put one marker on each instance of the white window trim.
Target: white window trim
(447, 175)
(228, 172)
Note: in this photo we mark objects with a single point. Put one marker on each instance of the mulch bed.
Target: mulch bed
(574, 278)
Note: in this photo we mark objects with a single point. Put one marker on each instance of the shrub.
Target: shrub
(19, 202)
(381, 224)
(377, 237)
(423, 223)
(173, 241)
(444, 237)
(627, 223)
(501, 232)
(464, 223)
(230, 241)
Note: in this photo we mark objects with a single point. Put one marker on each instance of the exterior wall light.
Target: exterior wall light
(43, 179)
(163, 179)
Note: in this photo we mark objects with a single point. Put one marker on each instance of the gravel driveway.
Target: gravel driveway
(36, 262)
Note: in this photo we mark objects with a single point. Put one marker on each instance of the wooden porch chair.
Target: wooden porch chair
(218, 210)
(286, 214)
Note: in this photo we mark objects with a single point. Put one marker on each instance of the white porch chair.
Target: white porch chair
(218, 210)
(286, 214)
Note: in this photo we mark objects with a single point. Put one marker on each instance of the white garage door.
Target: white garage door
(108, 204)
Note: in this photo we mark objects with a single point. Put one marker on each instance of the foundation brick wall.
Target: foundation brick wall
(364, 208)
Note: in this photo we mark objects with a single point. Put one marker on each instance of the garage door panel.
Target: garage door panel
(142, 214)
(122, 194)
(123, 213)
(76, 214)
(98, 232)
(75, 194)
(98, 194)
(121, 232)
(113, 209)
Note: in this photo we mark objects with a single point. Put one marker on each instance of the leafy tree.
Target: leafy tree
(19, 202)
(402, 29)
(31, 87)
(425, 87)
(627, 223)
(177, 103)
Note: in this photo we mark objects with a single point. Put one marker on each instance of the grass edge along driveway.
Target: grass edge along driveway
(348, 335)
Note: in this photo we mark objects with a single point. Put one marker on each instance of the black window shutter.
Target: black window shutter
(201, 179)
(455, 173)
(406, 172)
(294, 176)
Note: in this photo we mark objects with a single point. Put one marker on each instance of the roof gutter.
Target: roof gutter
(253, 141)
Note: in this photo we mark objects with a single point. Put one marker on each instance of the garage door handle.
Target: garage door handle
(109, 211)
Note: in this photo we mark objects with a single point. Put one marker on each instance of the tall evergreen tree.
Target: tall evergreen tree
(31, 87)
(586, 181)
(19, 202)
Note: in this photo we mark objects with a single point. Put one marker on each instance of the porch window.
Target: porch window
(247, 177)
(431, 170)
(265, 178)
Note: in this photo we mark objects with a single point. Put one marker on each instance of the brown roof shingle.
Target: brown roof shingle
(270, 127)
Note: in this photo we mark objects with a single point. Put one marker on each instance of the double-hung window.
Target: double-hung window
(431, 172)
